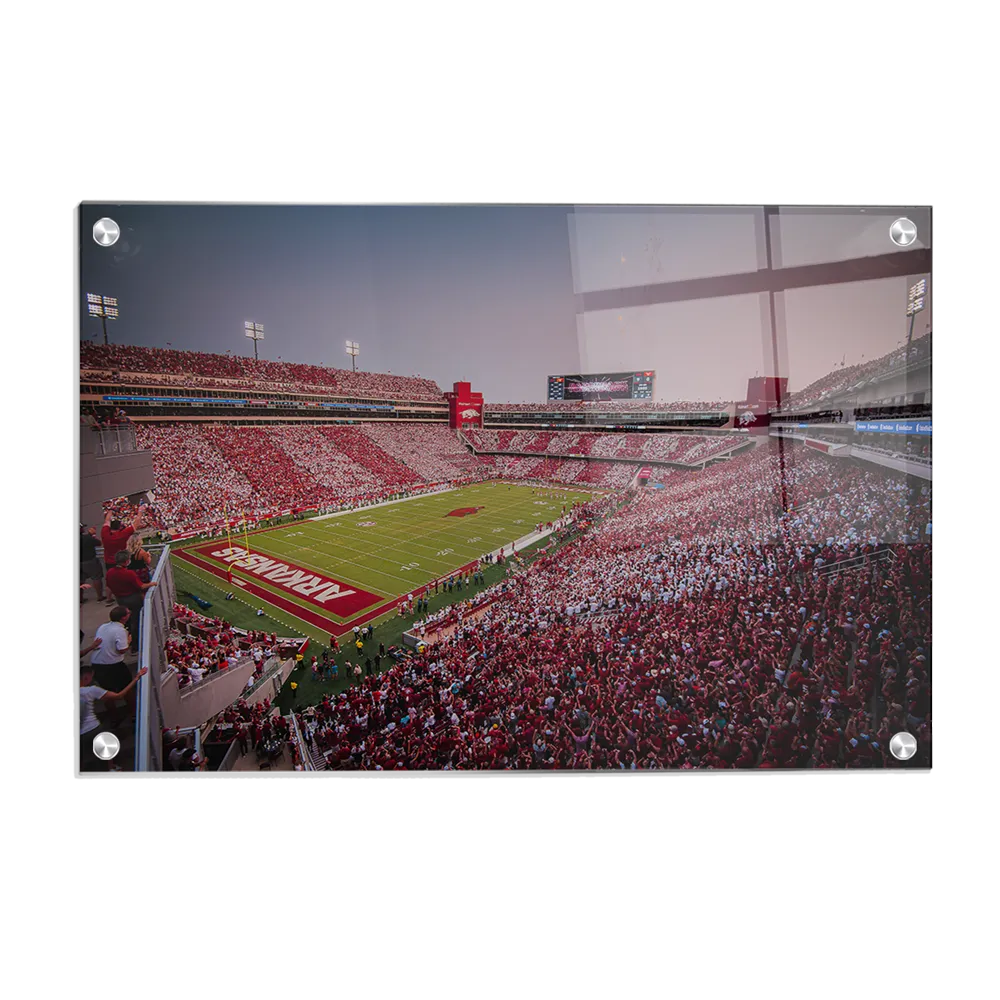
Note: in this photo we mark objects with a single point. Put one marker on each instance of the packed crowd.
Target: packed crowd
(432, 451)
(610, 475)
(841, 379)
(197, 647)
(262, 470)
(613, 406)
(701, 626)
(259, 728)
(199, 369)
(682, 448)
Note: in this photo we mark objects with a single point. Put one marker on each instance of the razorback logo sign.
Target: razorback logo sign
(462, 511)
(469, 414)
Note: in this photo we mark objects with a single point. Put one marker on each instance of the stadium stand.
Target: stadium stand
(714, 639)
(433, 452)
(771, 610)
(198, 647)
(195, 368)
(842, 379)
(682, 448)
(612, 406)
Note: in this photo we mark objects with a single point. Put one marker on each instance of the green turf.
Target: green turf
(410, 544)
(389, 632)
(240, 612)
(393, 550)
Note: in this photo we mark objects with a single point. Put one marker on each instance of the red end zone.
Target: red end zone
(322, 593)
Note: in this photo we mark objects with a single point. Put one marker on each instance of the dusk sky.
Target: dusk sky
(487, 293)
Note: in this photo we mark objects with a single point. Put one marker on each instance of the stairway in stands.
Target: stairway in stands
(315, 755)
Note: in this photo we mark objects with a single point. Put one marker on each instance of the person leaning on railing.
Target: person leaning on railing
(90, 694)
(128, 589)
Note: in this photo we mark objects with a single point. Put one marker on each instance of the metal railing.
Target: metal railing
(272, 668)
(215, 675)
(857, 562)
(230, 758)
(116, 440)
(154, 622)
(300, 744)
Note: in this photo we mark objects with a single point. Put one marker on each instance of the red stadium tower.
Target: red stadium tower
(465, 407)
(763, 393)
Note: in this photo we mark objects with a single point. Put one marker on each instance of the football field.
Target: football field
(327, 574)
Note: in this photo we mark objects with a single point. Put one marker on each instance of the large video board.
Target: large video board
(605, 385)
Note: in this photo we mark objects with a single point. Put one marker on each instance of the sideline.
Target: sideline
(384, 503)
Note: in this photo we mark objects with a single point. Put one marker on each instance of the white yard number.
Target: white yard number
(520, 520)
(469, 541)
(445, 552)
(411, 566)
(496, 531)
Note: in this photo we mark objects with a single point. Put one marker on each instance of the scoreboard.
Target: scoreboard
(606, 385)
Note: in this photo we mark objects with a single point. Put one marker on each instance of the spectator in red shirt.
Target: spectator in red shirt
(128, 589)
(115, 536)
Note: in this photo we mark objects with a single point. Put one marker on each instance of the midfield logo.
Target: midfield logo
(463, 511)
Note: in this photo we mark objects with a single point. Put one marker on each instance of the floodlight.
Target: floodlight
(353, 350)
(255, 331)
(102, 307)
(916, 296)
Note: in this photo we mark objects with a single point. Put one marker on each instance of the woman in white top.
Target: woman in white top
(90, 694)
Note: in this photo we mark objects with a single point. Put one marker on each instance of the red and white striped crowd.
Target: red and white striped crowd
(197, 369)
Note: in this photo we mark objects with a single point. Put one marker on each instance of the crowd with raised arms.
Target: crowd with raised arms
(197, 368)
(696, 628)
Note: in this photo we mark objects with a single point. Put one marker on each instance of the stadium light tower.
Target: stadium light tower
(105, 307)
(914, 303)
(255, 331)
(354, 351)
